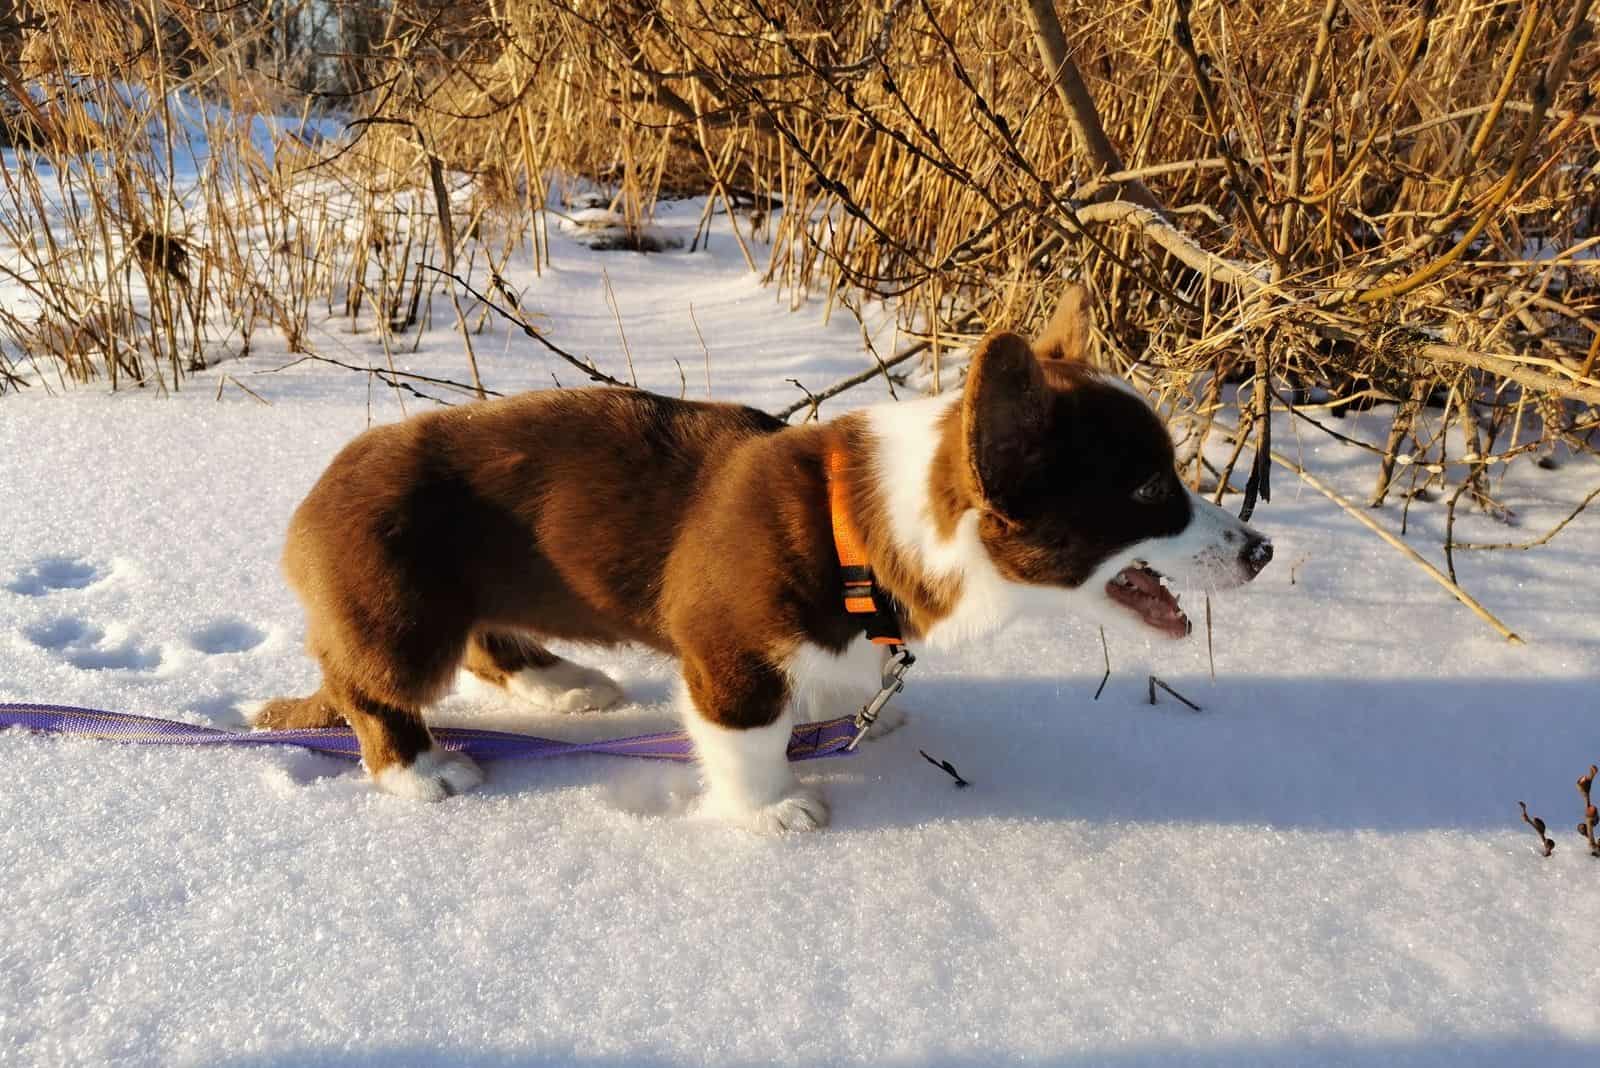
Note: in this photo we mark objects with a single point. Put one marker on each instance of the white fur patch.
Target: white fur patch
(824, 685)
(435, 775)
(565, 687)
(907, 436)
(748, 781)
(1206, 553)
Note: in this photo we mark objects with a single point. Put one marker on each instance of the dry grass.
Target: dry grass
(1335, 204)
(138, 271)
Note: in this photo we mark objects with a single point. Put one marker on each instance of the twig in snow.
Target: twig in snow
(1552, 532)
(947, 767)
(447, 243)
(703, 348)
(1154, 682)
(1538, 828)
(588, 368)
(616, 313)
(1360, 516)
(392, 379)
(1106, 649)
(814, 400)
(1591, 817)
(225, 379)
(1211, 656)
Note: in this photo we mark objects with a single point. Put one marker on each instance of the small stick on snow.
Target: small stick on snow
(1591, 817)
(247, 389)
(616, 313)
(1211, 656)
(703, 348)
(1106, 649)
(1154, 682)
(1538, 828)
(1360, 516)
(588, 368)
(947, 767)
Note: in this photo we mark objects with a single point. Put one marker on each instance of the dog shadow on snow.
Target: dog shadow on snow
(1333, 754)
(1390, 1053)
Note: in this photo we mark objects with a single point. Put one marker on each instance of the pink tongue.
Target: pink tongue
(1145, 582)
(1151, 600)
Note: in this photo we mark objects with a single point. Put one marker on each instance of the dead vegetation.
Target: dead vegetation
(1330, 207)
(1305, 207)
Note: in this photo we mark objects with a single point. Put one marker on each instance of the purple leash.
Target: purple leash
(809, 741)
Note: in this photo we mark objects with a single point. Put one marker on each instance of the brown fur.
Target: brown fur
(1065, 338)
(600, 516)
(468, 537)
(299, 713)
(495, 657)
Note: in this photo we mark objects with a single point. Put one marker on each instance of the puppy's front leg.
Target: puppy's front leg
(737, 712)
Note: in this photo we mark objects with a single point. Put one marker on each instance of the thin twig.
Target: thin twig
(1211, 656)
(616, 313)
(588, 368)
(1538, 828)
(1361, 516)
(1106, 649)
(946, 767)
(1155, 682)
(1552, 532)
(704, 348)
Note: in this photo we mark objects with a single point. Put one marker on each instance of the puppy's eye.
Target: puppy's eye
(1153, 491)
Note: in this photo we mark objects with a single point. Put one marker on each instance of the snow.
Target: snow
(1324, 866)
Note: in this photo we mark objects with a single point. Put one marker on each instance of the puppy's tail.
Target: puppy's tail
(297, 713)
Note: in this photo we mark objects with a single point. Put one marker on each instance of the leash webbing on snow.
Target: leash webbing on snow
(809, 741)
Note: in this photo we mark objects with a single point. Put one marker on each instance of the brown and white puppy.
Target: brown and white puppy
(466, 538)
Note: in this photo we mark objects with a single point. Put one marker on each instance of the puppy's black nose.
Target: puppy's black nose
(1257, 554)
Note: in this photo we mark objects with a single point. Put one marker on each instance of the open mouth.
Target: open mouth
(1140, 590)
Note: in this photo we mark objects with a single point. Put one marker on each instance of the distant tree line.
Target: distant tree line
(325, 47)
(322, 47)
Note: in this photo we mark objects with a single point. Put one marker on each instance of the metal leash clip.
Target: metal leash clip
(894, 675)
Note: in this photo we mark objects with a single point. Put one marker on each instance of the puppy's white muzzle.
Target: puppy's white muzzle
(1216, 549)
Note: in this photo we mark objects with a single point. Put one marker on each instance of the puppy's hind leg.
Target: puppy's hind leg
(297, 713)
(524, 668)
(400, 754)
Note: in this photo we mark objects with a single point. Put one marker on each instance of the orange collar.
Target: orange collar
(862, 597)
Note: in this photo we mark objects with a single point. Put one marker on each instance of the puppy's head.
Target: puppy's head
(1074, 479)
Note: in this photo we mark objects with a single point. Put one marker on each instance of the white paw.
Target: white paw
(566, 687)
(250, 711)
(801, 809)
(435, 775)
(890, 719)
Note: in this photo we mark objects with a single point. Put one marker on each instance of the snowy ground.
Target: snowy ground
(1325, 866)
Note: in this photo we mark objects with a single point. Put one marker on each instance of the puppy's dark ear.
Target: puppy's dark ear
(1003, 416)
(1065, 337)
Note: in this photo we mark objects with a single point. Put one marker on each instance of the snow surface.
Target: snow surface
(1325, 866)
